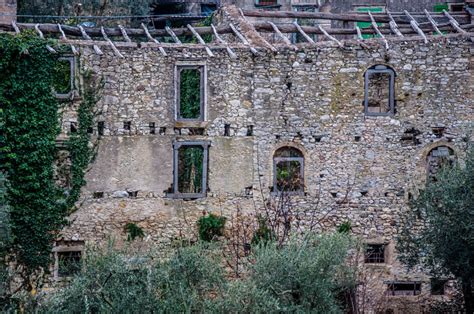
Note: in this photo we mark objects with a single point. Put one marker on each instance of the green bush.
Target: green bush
(133, 231)
(210, 227)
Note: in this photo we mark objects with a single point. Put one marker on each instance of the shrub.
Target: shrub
(210, 227)
(263, 234)
(133, 231)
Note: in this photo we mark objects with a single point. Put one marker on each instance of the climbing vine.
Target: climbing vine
(30, 126)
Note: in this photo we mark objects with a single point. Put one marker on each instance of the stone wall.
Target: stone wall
(357, 168)
(7, 7)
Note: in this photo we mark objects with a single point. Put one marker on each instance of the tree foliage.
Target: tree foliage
(438, 231)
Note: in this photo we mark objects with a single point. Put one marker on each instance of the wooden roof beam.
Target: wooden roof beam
(433, 22)
(87, 37)
(222, 41)
(201, 41)
(243, 39)
(303, 33)
(393, 25)
(116, 51)
(376, 28)
(330, 37)
(156, 41)
(282, 37)
(173, 35)
(124, 33)
(63, 37)
(40, 33)
(453, 22)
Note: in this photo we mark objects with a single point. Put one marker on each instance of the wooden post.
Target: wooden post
(376, 28)
(173, 35)
(147, 33)
(201, 41)
(414, 24)
(393, 25)
(301, 31)
(116, 51)
(243, 39)
(222, 41)
(84, 34)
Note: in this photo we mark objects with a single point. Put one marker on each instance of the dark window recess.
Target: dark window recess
(379, 97)
(375, 253)
(127, 125)
(288, 169)
(162, 131)
(63, 82)
(403, 288)
(98, 195)
(437, 286)
(73, 127)
(357, 138)
(152, 127)
(249, 130)
(264, 3)
(191, 93)
(439, 157)
(100, 127)
(90, 130)
(69, 263)
(226, 129)
(438, 131)
(196, 131)
(410, 136)
(190, 169)
(207, 9)
(132, 194)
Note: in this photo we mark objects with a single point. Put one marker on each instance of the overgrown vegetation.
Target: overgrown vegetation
(30, 125)
(133, 231)
(210, 227)
(438, 230)
(307, 275)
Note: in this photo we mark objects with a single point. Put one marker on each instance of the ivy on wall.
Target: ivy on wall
(30, 126)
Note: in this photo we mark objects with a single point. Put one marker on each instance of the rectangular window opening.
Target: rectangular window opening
(289, 174)
(379, 99)
(127, 125)
(190, 93)
(403, 288)
(152, 127)
(375, 254)
(190, 169)
(63, 80)
(437, 286)
(69, 263)
(100, 128)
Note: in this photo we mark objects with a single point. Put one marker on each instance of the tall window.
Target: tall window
(379, 91)
(437, 158)
(190, 169)
(288, 169)
(190, 92)
(63, 83)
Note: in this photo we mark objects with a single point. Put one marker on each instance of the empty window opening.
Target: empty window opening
(196, 131)
(162, 130)
(69, 263)
(250, 130)
(63, 83)
(438, 286)
(226, 129)
(375, 253)
(410, 136)
(152, 127)
(100, 128)
(190, 93)
(90, 130)
(127, 125)
(379, 91)
(403, 288)
(439, 157)
(357, 138)
(132, 194)
(190, 169)
(318, 138)
(73, 127)
(288, 167)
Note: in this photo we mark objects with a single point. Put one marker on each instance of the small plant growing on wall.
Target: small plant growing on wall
(345, 227)
(210, 227)
(134, 231)
(263, 234)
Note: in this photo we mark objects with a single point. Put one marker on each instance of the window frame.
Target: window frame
(276, 160)
(404, 293)
(176, 146)
(65, 247)
(202, 68)
(72, 72)
(375, 260)
(391, 98)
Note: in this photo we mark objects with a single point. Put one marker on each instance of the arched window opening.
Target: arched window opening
(379, 91)
(288, 169)
(437, 158)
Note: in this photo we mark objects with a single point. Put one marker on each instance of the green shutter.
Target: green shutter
(368, 24)
(439, 7)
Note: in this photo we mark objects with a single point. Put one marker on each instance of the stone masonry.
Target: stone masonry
(357, 168)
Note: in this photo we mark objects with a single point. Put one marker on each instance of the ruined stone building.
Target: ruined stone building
(348, 128)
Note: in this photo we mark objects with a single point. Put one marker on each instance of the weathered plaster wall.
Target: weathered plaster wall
(357, 168)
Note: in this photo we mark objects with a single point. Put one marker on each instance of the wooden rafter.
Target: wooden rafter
(243, 39)
(453, 22)
(151, 38)
(303, 33)
(330, 37)
(15, 27)
(433, 22)
(124, 33)
(63, 37)
(40, 34)
(87, 37)
(393, 25)
(201, 41)
(376, 28)
(359, 33)
(414, 24)
(282, 37)
(116, 51)
(222, 41)
(173, 35)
